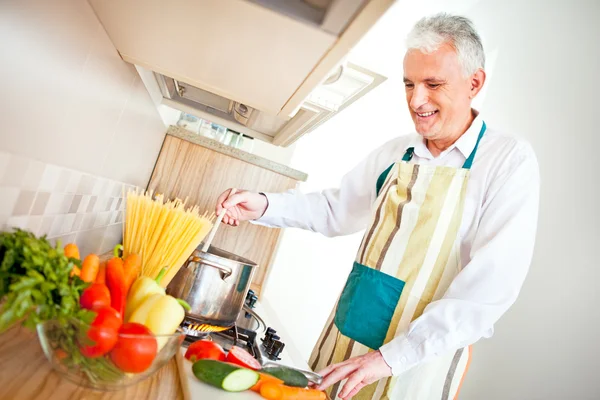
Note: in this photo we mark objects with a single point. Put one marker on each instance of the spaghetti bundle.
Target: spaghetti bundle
(163, 234)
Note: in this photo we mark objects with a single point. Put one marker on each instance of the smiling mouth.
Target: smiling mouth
(426, 114)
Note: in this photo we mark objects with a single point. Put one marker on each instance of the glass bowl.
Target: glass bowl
(60, 341)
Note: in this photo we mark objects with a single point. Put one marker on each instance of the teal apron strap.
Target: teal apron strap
(409, 155)
(469, 162)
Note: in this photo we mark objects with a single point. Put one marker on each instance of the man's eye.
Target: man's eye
(434, 85)
(409, 85)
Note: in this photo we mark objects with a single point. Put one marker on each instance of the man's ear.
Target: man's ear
(477, 82)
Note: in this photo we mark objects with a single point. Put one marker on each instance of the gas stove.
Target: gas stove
(250, 333)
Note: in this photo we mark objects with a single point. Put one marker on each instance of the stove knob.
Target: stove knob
(276, 350)
(251, 298)
(268, 334)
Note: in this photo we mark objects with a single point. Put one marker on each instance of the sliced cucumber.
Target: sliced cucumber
(289, 376)
(225, 376)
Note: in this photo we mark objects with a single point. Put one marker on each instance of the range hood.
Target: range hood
(346, 84)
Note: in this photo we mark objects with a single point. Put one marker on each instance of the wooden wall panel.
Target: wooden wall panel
(189, 170)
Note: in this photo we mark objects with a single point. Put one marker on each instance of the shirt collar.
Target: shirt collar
(465, 143)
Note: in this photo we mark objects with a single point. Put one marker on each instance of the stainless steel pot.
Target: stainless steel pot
(214, 284)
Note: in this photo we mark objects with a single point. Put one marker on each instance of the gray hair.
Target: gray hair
(431, 32)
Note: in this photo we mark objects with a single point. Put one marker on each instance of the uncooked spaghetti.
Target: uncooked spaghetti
(163, 234)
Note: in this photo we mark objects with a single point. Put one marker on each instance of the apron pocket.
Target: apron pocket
(367, 305)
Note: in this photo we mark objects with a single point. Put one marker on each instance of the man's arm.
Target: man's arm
(490, 283)
(332, 212)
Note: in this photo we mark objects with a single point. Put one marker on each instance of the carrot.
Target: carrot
(101, 275)
(71, 251)
(75, 271)
(89, 268)
(132, 267)
(274, 391)
(265, 378)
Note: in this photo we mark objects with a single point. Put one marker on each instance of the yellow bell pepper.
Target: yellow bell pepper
(142, 288)
(160, 313)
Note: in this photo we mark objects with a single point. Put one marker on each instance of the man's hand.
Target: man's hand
(242, 206)
(360, 371)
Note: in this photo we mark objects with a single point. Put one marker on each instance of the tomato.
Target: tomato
(134, 353)
(95, 296)
(102, 334)
(100, 340)
(205, 349)
(241, 357)
(109, 317)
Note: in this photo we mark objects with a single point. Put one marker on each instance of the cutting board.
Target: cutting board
(194, 389)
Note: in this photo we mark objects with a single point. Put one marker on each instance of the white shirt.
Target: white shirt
(497, 234)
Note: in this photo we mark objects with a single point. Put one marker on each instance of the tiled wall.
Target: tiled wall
(62, 203)
(76, 123)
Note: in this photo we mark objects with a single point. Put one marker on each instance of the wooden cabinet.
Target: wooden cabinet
(185, 169)
(251, 52)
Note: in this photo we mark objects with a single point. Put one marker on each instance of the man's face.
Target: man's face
(438, 94)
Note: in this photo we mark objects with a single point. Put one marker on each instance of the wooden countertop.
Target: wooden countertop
(236, 153)
(26, 374)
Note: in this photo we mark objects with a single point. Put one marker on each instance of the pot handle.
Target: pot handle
(225, 272)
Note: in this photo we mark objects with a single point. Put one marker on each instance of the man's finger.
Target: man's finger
(222, 197)
(352, 382)
(337, 375)
(355, 391)
(234, 200)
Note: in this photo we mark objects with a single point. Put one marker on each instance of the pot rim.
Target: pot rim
(222, 256)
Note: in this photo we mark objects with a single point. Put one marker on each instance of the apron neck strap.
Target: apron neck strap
(469, 161)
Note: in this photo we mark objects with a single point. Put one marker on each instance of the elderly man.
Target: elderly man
(450, 216)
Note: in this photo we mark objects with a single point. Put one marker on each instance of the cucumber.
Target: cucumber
(289, 376)
(225, 376)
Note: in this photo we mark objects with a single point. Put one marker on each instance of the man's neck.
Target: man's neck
(437, 146)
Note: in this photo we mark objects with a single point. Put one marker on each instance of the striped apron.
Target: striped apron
(408, 257)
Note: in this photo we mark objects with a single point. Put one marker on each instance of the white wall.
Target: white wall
(543, 61)
(67, 97)
(76, 124)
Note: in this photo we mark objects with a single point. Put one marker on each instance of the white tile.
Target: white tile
(8, 199)
(33, 176)
(24, 202)
(49, 178)
(34, 224)
(86, 184)
(88, 221)
(55, 203)
(73, 182)
(68, 223)
(78, 222)
(57, 226)
(40, 203)
(118, 190)
(83, 205)
(18, 222)
(63, 240)
(100, 187)
(46, 225)
(15, 172)
(90, 241)
(101, 219)
(66, 205)
(63, 181)
(101, 204)
(3, 220)
(112, 237)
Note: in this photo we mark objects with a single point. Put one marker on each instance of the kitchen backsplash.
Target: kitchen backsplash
(62, 203)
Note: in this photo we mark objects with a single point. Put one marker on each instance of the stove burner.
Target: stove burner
(199, 330)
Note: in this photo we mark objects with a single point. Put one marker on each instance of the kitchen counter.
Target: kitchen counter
(236, 153)
(26, 374)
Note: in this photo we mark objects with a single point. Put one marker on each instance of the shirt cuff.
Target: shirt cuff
(275, 207)
(399, 355)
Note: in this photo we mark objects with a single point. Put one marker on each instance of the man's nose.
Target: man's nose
(420, 97)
